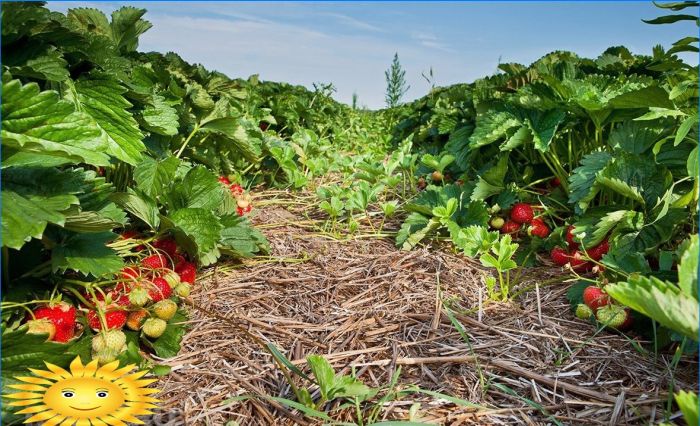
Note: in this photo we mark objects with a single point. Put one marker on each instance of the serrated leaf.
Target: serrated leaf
(24, 219)
(153, 176)
(240, 239)
(197, 230)
(659, 300)
(199, 188)
(102, 98)
(543, 126)
(39, 122)
(48, 65)
(86, 253)
(581, 182)
(491, 182)
(597, 225)
(491, 127)
(140, 205)
(159, 117)
(633, 137)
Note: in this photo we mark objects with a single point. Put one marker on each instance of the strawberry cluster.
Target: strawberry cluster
(144, 298)
(243, 200)
(521, 214)
(575, 255)
(596, 303)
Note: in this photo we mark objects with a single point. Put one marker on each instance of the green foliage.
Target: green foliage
(396, 85)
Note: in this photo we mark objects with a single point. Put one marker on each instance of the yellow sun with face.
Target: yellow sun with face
(86, 395)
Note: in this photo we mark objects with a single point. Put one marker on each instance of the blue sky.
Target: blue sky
(351, 44)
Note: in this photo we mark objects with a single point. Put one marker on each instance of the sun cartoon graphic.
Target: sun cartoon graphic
(87, 395)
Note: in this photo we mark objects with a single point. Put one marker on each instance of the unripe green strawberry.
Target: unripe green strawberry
(105, 355)
(41, 326)
(138, 296)
(165, 309)
(114, 340)
(612, 315)
(583, 311)
(154, 327)
(183, 289)
(172, 278)
(136, 318)
(497, 222)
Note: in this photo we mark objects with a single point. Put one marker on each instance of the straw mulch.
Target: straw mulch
(366, 305)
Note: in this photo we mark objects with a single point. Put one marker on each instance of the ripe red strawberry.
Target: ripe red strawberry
(131, 272)
(510, 227)
(155, 261)
(263, 126)
(62, 315)
(597, 252)
(579, 263)
(187, 272)
(242, 211)
(159, 289)
(559, 256)
(595, 298)
(555, 182)
(522, 213)
(168, 245)
(178, 259)
(114, 319)
(236, 189)
(538, 228)
(573, 245)
(129, 233)
(224, 180)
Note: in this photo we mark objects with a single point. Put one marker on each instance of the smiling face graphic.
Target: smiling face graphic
(85, 394)
(84, 397)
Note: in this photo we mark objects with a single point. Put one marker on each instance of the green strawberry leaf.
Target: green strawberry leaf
(102, 98)
(582, 188)
(196, 230)
(153, 176)
(39, 122)
(86, 253)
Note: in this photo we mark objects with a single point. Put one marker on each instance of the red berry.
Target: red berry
(579, 263)
(131, 273)
(155, 261)
(573, 245)
(522, 213)
(62, 315)
(555, 182)
(597, 252)
(224, 180)
(187, 272)
(510, 227)
(241, 211)
(159, 289)
(178, 259)
(113, 319)
(236, 189)
(168, 245)
(594, 297)
(538, 228)
(263, 126)
(559, 256)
